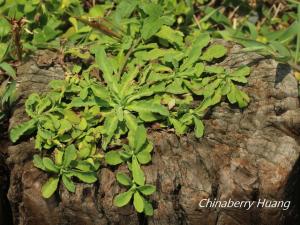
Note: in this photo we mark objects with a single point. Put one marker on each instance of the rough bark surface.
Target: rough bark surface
(248, 154)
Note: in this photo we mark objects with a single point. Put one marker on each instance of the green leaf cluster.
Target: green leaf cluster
(146, 70)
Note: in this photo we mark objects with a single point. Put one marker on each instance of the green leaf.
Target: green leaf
(38, 162)
(199, 127)
(49, 165)
(8, 69)
(140, 137)
(125, 8)
(5, 27)
(172, 36)
(122, 178)
(3, 50)
(86, 177)
(123, 199)
(57, 84)
(100, 92)
(83, 124)
(149, 116)
(8, 94)
(31, 104)
(237, 96)
(131, 120)
(180, 128)
(110, 126)
(144, 157)
(26, 128)
(214, 52)
(195, 50)
(43, 105)
(69, 156)
(147, 189)
(148, 209)
(65, 126)
(214, 69)
(58, 156)
(239, 79)
(50, 187)
(176, 87)
(137, 172)
(113, 158)
(128, 79)
(106, 67)
(241, 72)
(68, 183)
(152, 23)
(71, 116)
(148, 106)
(138, 202)
(147, 91)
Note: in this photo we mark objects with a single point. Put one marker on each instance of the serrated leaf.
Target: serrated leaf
(26, 128)
(125, 8)
(146, 91)
(50, 187)
(180, 128)
(43, 105)
(237, 96)
(214, 52)
(128, 79)
(148, 106)
(194, 52)
(100, 92)
(106, 67)
(172, 36)
(8, 69)
(243, 71)
(176, 87)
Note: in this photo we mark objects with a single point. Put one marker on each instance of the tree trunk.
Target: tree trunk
(249, 154)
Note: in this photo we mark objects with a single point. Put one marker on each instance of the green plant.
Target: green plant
(65, 167)
(152, 72)
(7, 98)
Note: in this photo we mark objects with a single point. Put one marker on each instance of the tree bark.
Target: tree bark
(250, 154)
